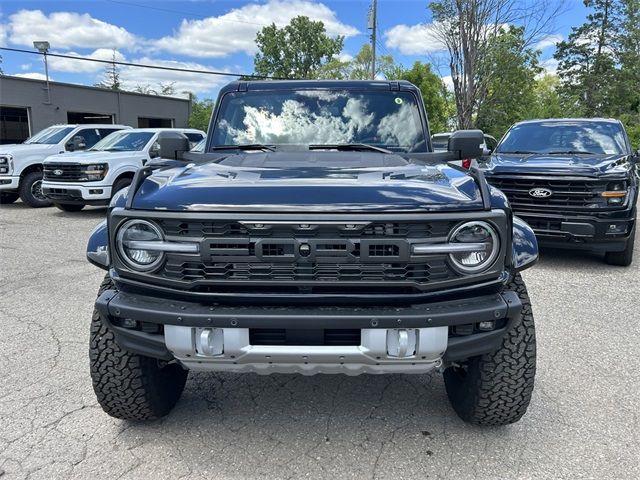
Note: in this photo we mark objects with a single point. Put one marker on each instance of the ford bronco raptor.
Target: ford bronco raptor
(316, 233)
(575, 181)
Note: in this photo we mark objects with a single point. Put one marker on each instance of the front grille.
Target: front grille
(320, 255)
(583, 194)
(304, 337)
(64, 172)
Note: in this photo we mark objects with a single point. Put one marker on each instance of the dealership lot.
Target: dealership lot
(583, 421)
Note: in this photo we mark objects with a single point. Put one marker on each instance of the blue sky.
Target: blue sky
(208, 34)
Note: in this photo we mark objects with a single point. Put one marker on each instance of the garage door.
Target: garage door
(14, 125)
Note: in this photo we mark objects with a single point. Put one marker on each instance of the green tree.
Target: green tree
(628, 84)
(111, 75)
(588, 61)
(298, 50)
(201, 111)
(547, 100)
(434, 94)
(509, 71)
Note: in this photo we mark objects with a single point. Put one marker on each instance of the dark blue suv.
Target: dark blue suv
(316, 233)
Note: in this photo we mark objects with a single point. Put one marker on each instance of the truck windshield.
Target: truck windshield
(588, 138)
(124, 142)
(50, 136)
(386, 119)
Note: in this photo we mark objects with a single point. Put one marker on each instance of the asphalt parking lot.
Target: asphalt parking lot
(583, 421)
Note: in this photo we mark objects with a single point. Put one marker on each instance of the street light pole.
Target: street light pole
(43, 48)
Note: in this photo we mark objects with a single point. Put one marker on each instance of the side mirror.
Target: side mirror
(466, 144)
(171, 147)
(77, 143)
(154, 151)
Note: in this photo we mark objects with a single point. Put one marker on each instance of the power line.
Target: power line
(142, 65)
(197, 15)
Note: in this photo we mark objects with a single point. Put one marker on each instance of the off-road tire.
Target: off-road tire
(26, 190)
(625, 257)
(119, 185)
(495, 388)
(8, 197)
(130, 386)
(70, 207)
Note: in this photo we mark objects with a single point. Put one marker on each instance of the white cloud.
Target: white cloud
(549, 41)
(33, 75)
(420, 39)
(448, 82)
(26, 66)
(3, 35)
(83, 66)
(345, 57)
(550, 66)
(67, 30)
(236, 30)
(196, 83)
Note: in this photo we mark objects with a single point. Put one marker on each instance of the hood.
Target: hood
(26, 149)
(309, 182)
(541, 164)
(85, 157)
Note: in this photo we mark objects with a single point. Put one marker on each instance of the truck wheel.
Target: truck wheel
(8, 197)
(119, 185)
(70, 207)
(495, 388)
(31, 190)
(625, 257)
(130, 386)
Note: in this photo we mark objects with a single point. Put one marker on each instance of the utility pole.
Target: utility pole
(372, 25)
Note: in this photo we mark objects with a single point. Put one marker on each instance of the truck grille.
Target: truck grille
(63, 172)
(580, 194)
(307, 255)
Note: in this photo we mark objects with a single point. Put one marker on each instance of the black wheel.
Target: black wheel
(8, 197)
(70, 207)
(119, 185)
(31, 190)
(496, 388)
(625, 257)
(130, 386)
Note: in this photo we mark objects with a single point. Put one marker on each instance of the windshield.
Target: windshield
(124, 142)
(50, 136)
(386, 119)
(564, 137)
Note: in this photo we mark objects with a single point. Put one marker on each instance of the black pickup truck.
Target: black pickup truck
(316, 233)
(575, 181)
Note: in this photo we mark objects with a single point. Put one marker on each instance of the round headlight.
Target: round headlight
(132, 237)
(483, 243)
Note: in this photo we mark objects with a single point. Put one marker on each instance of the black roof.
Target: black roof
(240, 85)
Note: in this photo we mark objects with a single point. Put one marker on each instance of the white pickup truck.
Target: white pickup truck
(72, 181)
(21, 164)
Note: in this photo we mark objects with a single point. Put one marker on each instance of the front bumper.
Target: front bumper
(70, 193)
(608, 232)
(183, 323)
(9, 183)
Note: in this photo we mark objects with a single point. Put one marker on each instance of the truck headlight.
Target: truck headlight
(95, 172)
(484, 237)
(132, 238)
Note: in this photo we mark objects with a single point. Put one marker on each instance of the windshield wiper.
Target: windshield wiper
(349, 146)
(570, 152)
(247, 146)
(518, 152)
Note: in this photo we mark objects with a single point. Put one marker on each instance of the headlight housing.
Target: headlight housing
(475, 233)
(5, 164)
(131, 235)
(94, 172)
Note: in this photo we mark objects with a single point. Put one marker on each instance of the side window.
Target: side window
(104, 132)
(90, 136)
(194, 137)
